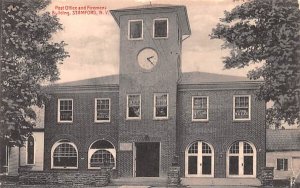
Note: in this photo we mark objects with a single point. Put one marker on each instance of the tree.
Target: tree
(266, 32)
(28, 60)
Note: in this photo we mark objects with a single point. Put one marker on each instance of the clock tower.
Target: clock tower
(150, 68)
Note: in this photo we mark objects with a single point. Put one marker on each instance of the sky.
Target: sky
(93, 40)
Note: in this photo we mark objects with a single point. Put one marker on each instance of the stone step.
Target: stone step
(140, 181)
(220, 181)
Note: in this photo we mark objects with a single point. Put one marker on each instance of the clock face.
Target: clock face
(147, 58)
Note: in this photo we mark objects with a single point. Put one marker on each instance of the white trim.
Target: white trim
(249, 107)
(55, 145)
(127, 108)
(34, 150)
(58, 110)
(95, 112)
(241, 155)
(207, 108)
(92, 151)
(153, 26)
(199, 160)
(128, 30)
(154, 107)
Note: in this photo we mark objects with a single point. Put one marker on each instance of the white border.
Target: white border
(55, 145)
(153, 26)
(207, 108)
(95, 112)
(58, 112)
(233, 108)
(128, 30)
(154, 107)
(34, 151)
(127, 109)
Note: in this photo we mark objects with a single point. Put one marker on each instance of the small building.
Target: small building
(283, 153)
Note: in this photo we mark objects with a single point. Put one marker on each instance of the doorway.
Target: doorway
(147, 159)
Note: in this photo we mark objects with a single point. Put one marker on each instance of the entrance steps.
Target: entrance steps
(141, 182)
(221, 181)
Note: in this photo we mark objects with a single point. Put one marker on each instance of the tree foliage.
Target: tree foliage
(266, 32)
(29, 59)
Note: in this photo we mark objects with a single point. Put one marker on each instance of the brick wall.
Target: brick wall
(83, 131)
(221, 131)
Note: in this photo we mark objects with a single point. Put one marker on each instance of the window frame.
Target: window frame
(54, 146)
(127, 108)
(234, 108)
(284, 167)
(154, 107)
(34, 150)
(109, 111)
(128, 31)
(207, 108)
(153, 26)
(59, 111)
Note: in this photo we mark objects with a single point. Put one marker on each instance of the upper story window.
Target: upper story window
(133, 106)
(200, 108)
(282, 164)
(241, 107)
(135, 29)
(30, 150)
(65, 110)
(160, 28)
(161, 105)
(102, 110)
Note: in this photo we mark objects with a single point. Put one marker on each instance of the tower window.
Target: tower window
(160, 28)
(133, 106)
(161, 105)
(135, 29)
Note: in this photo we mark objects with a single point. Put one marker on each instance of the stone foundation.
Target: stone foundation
(101, 178)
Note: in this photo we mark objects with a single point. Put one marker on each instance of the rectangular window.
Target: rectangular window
(200, 108)
(160, 28)
(161, 105)
(282, 164)
(133, 106)
(102, 110)
(135, 29)
(241, 107)
(65, 110)
(30, 150)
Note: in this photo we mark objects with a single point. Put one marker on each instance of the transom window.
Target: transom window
(241, 107)
(65, 110)
(282, 164)
(102, 154)
(135, 29)
(64, 155)
(200, 108)
(161, 105)
(134, 106)
(30, 150)
(160, 28)
(102, 110)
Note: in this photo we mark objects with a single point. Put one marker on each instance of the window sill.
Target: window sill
(101, 122)
(160, 37)
(159, 119)
(65, 168)
(200, 120)
(241, 120)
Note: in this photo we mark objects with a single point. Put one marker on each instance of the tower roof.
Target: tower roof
(156, 8)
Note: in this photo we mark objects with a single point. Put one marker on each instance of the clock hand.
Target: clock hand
(148, 58)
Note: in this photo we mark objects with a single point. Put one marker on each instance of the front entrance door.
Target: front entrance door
(147, 159)
(241, 160)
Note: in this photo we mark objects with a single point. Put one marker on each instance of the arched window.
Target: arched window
(30, 150)
(64, 154)
(199, 160)
(241, 160)
(102, 154)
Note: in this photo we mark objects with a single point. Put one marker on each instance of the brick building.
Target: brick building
(152, 115)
